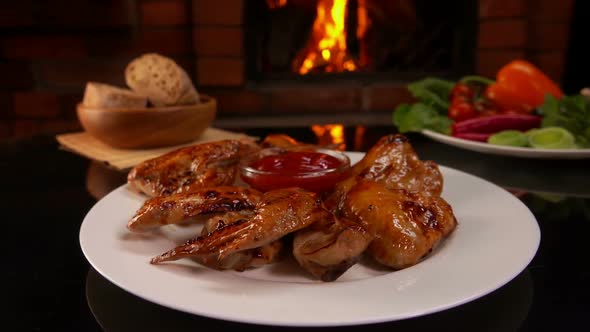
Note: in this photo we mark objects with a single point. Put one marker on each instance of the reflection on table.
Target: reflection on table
(101, 179)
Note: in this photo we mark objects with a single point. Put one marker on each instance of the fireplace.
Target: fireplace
(237, 63)
(362, 40)
(229, 48)
(349, 61)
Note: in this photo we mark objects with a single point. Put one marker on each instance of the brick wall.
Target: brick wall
(48, 50)
(536, 30)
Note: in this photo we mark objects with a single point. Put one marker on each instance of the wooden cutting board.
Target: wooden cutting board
(85, 145)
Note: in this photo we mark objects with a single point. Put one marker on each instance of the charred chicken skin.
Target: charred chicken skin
(329, 247)
(278, 213)
(390, 208)
(393, 162)
(190, 168)
(240, 260)
(193, 206)
(216, 208)
(391, 167)
(405, 225)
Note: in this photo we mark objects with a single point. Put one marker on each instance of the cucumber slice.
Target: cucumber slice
(509, 138)
(551, 138)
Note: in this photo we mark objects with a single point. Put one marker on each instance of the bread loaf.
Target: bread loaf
(107, 96)
(162, 80)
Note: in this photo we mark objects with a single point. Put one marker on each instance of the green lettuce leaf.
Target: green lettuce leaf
(419, 116)
(434, 92)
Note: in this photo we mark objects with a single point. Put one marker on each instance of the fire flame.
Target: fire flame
(363, 19)
(330, 135)
(327, 44)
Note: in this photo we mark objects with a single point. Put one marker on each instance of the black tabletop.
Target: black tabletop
(46, 192)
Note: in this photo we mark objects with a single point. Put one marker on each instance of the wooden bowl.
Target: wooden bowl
(137, 128)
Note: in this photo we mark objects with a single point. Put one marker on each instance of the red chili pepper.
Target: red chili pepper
(496, 123)
(479, 137)
(521, 86)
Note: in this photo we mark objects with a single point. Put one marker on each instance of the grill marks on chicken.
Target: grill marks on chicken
(392, 175)
(192, 206)
(389, 208)
(240, 260)
(329, 247)
(278, 213)
(190, 168)
(405, 225)
(217, 207)
(393, 162)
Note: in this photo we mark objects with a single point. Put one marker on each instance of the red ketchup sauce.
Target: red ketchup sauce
(310, 170)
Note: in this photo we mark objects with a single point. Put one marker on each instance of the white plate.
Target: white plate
(496, 238)
(508, 150)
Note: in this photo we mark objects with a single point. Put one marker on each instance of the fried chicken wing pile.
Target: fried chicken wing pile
(389, 209)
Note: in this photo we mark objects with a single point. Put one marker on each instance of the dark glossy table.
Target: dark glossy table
(46, 192)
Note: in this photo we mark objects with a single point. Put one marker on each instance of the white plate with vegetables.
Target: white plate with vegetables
(522, 114)
(524, 152)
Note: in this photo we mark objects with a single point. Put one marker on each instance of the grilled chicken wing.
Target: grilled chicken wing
(389, 208)
(190, 168)
(193, 206)
(240, 260)
(329, 247)
(393, 162)
(405, 225)
(278, 213)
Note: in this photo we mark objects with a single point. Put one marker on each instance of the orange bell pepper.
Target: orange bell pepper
(520, 87)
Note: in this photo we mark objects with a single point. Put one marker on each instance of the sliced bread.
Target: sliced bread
(108, 96)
